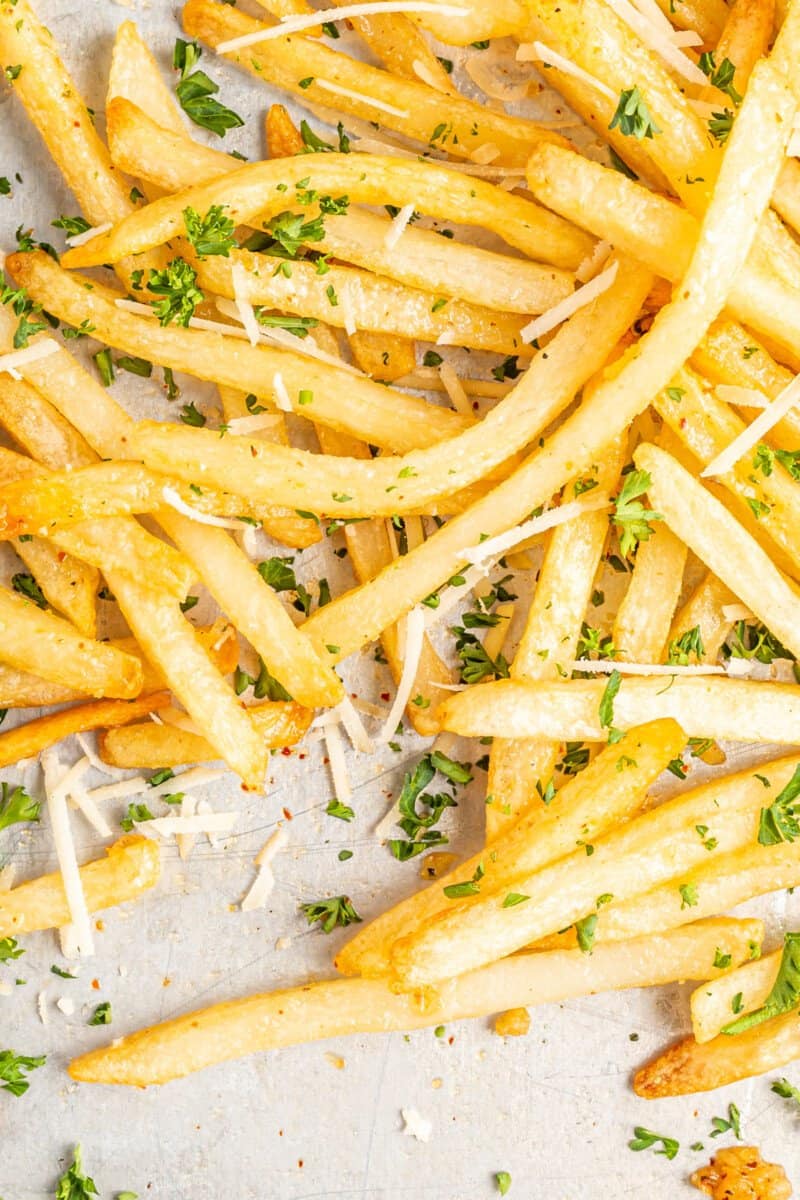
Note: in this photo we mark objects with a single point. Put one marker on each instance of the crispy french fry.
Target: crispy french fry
(743, 41)
(39, 428)
(719, 884)
(388, 486)
(375, 304)
(573, 447)
(739, 991)
(261, 190)
(421, 259)
(659, 846)
(47, 645)
(707, 706)
(135, 76)
(169, 641)
(130, 867)
(591, 803)
(350, 1006)
(255, 610)
(149, 745)
(283, 137)
(26, 741)
(341, 399)
(687, 1067)
(656, 232)
(69, 586)
(551, 635)
(409, 107)
(642, 624)
(721, 543)
(705, 610)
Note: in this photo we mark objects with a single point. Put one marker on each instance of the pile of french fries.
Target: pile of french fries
(652, 421)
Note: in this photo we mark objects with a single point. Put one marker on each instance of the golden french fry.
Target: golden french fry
(134, 75)
(573, 447)
(687, 1067)
(402, 48)
(744, 40)
(387, 486)
(38, 427)
(705, 610)
(707, 706)
(421, 259)
(659, 846)
(283, 138)
(26, 741)
(47, 645)
(720, 884)
(351, 1006)
(130, 867)
(721, 542)
(736, 992)
(590, 804)
(170, 642)
(655, 231)
(262, 190)
(409, 107)
(255, 610)
(642, 624)
(149, 745)
(341, 399)
(551, 635)
(376, 305)
(68, 585)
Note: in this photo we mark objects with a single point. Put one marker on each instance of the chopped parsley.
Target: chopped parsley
(336, 910)
(13, 1070)
(16, 806)
(343, 811)
(177, 283)
(418, 823)
(73, 1184)
(606, 708)
(10, 949)
(102, 1014)
(630, 516)
(720, 125)
(781, 821)
(682, 648)
(211, 234)
(25, 585)
(720, 77)
(632, 116)
(785, 993)
(646, 1139)
(503, 1182)
(469, 887)
(786, 1090)
(136, 814)
(195, 92)
(731, 1125)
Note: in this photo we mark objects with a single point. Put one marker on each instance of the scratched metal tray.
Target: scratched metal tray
(555, 1109)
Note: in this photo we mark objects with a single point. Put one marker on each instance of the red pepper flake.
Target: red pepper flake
(286, 751)
(385, 696)
(96, 984)
(288, 815)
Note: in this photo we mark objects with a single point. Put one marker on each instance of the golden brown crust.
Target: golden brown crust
(740, 1173)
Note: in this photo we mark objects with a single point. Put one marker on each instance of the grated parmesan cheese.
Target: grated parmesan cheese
(593, 262)
(80, 239)
(282, 400)
(186, 841)
(296, 24)
(452, 385)
(349, 718)
(567, 308)
(66, 1005)
(453, 595)
(279, 337)
(731, 393)
(495, 547)
(397, 226)
(362, 98)
(653, 37)
(604, 666)
(77, 937)
(240, 281)
(416, 1125)
(424, 72)
(18, 358)
(199, 823)
(244, 426)
(737, 612)
(175, 501)
(539, 52)
(338, 763)
(755, 431)
(264, 881)
(412, 652)
(93, 758)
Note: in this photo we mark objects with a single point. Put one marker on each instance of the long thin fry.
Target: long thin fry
(26, 741)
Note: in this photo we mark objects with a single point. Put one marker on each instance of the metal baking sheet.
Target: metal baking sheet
(555, 1109)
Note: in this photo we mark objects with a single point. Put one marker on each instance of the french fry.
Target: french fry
(659, 846)
(707, 706)
(705, 610)
(407, 106)
(687, 1067)
(130, 867)
(721, 543)
(744, 40)
(283, 137)
(656, 232)
(739, 991)
(720, 884)
(255, 610)
(149, 745)
(573, 447)
(387, 486)
(591, 803)
(68, 585)
(351, 1006)
(341, 399)
(642, 624)
(551, 635)
(707, 425)
(47, 645)
(170, 642)
(262, 190)
(26, 741)
(134, 75)
(397, 41)
(421, 259)
(38, 427)
(375, 304)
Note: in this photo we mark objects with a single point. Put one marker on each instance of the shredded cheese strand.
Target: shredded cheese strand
(362, 98)
(338, 763)
(20, 358)
(414, 639)
(605, 666)
(175, 501)
(78, 239)
(539, 52)
(353, 726)
(77, 937)
(494, 548)
(567, 308)
(296, 24)
(655, 40)
(755, 431)
(264, 881)
(247, 315)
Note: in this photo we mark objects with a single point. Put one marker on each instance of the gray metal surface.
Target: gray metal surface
(555, 1109)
